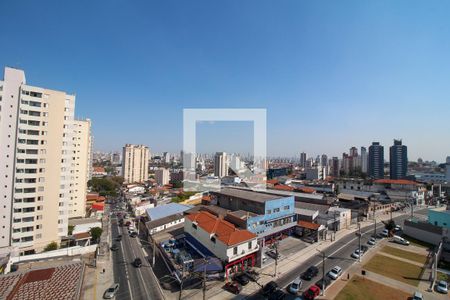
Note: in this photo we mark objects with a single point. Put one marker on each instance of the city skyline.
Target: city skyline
(329, 76)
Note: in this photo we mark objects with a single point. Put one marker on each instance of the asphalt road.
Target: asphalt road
(339, 253)
(135, 283)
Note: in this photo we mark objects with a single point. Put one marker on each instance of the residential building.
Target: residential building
(220, 164)
(364, 162)
(303, 160)
(36, 132)
(376, 161)
(398, 160)
(162, 176)
(82, 167)
(324, 160)
(439, 217)
(135, 163)
(335, 167)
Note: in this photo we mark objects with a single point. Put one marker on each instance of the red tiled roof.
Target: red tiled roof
(99, 169)
(308, 225)
(306, 189)
(283, 187)
(395, 181)
(223, 230)
(92, 196)
(97, 206)
(82, 235)
(206, 198)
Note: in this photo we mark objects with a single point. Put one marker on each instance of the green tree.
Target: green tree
(50, 247)
(70, 229)
(390, 225)
(176, 184)
(96, 232)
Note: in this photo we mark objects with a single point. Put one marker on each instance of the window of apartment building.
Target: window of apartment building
(26, 239)
(35, 113)
(235, 250)
(39, 226)
(275, 210)
(45, 114)
(194, 226)
(213, 239)
(249, 245)
(286, 207)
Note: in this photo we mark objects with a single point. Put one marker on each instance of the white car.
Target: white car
(372, 241)
(335, 272)
(442, 287)
(385, 233)
(111, 292)
(357, 253)
(295, 286)
(400, 240)
(398, 228)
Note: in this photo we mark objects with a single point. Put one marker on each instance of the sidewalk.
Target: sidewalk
(291, 262)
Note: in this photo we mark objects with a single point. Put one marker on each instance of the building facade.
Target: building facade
(162, 176)
(82, 167)
(135, 163)
(376, 161)
(36, 141)
(398, 160)
(220, 164)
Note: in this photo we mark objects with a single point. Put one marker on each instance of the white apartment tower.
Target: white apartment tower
(36, 174)
(82, 164)
(135, 163)
(220, 164)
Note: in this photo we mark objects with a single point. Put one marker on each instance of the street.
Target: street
(135, 283)
(337, 254)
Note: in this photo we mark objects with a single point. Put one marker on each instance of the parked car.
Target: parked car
(119, 238)
(357, 253)
(137, 262)
(335, 272)
(417, 296)
(133, 234)
(111, 291)
(233, 287)
(442, 287)
(114, 247)
(385, 233)
(295, 286)
(323, 283)
(309, 239)
(273, 254)
(400, 240)
(310, 273)
(277, 295)
(397, 228)
(372, 241)
(252, 275)
(270, 287)
(311, 293)
(241, 278)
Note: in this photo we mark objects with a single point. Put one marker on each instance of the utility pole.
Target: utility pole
(153, 252)
(322, 290)
(359, 241)
(276, 258)
(375, 223)
(204, 281)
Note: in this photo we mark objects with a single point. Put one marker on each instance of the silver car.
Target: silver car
(335, 272)
(111, 291)
(442, 287)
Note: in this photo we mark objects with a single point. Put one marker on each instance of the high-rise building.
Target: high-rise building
(135, 163)
(303, 159)
(324, 160)
(82, 165)
(189, 162)
(447, 160)
(363, 160)
(116, 159)
(398, 160)
(235, 163)
(335, 167)
(166, 157)
(36, 172)
(162, 176)
(376, 161)
(220, 164)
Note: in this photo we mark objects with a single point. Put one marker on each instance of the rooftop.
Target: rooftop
(248, 195)
(395, 181)
(61, 282)
(223, 230)
(162, 211)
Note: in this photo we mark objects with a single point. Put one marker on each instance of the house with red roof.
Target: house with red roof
(236, 247)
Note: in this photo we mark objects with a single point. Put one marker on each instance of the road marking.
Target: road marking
(126, 272)
(138, 269)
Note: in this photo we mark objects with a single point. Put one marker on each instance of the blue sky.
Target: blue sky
(331, 74)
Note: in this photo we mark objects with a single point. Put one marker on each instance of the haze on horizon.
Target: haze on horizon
(331, 74)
